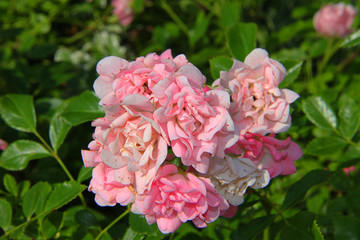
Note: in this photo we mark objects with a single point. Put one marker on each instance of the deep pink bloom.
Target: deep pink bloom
(267, 152)
(258, 105)
(3, 144)
(175, 198)
(349, 170)
(122, 9)
(335, 20)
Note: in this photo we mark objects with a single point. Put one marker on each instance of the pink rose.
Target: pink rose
(122, 9)
(258, 105)
(3, 144)
(335, 20)
(175, 198)
(105, 183)
(267, 152)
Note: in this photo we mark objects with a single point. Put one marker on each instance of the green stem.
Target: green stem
(60, 162)
(330, 50)
(112, 224)
(173, 15)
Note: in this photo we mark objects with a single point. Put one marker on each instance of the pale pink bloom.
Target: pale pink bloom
(267, 152)
(232, 176)
(258, 105)
(176, 197)
(3, 144)
(122, 9)
(112, 186)
(198, 124)
(335, 20)
(135, 142)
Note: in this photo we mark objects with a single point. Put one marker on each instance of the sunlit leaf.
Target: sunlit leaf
(325, 145)
(218, 64)
(241, 39)
(6, 214)
(34, 200)
(349, 117)
(11, 185)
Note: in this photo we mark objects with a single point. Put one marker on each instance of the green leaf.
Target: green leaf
(293, 70)
(241, 39)
(11, 185)
(84, 174)
(319, 113)
(349, 117)
(298, 190)
(325, 146)
(82, 108)
(139, 224)
(62, 194)
(347, 227)
(59, 128)
(230, 13)
(220, 63)
(86, 218)
(198, 31)
(250, 230)
(34, 200)
(17, 155)
(352, 40)
(317, 232)
(6, 214)
(298, 227)
(18, 112)
(23, 187)
(132, 235)
(52, 224)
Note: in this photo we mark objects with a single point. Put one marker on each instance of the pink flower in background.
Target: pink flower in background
(267, 152)
(258, 105)
(335, 20)
(175, 198)
(122, 9)
(349, 170)
(3, 144)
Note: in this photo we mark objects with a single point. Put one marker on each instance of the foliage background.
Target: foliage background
(48, 54)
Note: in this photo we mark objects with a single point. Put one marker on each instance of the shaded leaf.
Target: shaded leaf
(17, 155)
(218, 64)
(11, 185)
(319, 113)
(34, 200)
(59, 127)
(347, 227)
(132, 235)
(18, 112)
(325, 145)
(52, 224)
(230, 13)
(198, 31)
(6, 214)
(86, 218)
(298, 190)
(255, 226)
(299, 227)
(241, 39)
(82, 108)
(62, 194)
(139, 224)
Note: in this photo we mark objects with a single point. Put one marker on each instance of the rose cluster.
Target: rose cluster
(178, 150)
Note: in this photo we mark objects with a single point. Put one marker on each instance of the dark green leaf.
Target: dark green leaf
(52, 224)
(82, 108)
(298, 190)
(34, 200)
(241, 39)
(86, 218)
(298, 227)
(62, 194)
(17, 155)
(11, 185)
(59, 127)
(325, 146)
(319, 113)
(198, 31)
(84, 174)
(293, 70)
(18, 112)
(6, 214)
(139, 224)
(349, 117)
(347, 227)
(255, 226)
(218, 64)
(317, 232)
(230, 13)
(352, 40)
